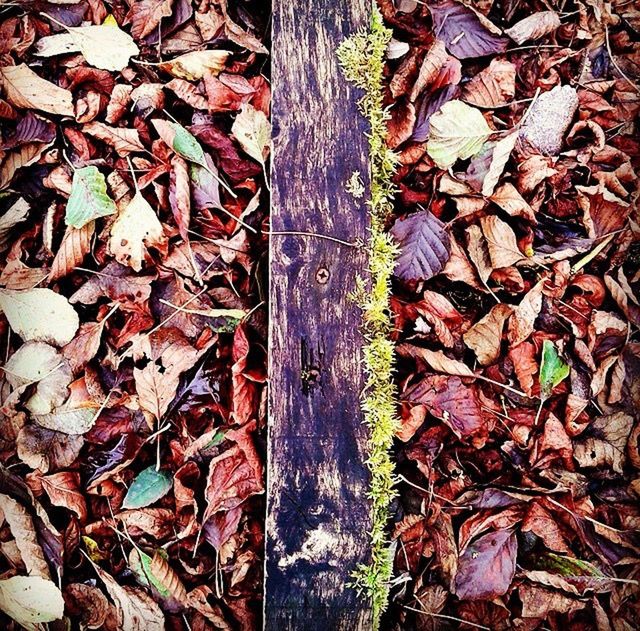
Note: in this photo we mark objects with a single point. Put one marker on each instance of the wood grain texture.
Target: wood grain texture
(318, 515)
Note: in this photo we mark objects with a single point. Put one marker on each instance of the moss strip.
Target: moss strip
(362, 58)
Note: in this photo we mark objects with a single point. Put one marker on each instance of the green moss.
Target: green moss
(362, 58)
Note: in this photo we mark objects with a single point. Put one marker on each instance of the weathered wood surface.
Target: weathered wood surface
(318, 515)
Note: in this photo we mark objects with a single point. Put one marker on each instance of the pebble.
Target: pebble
(549, 119)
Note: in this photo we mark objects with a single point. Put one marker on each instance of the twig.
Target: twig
(300, 233)
(445, 617)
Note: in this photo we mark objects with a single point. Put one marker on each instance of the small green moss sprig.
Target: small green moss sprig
(362, 58)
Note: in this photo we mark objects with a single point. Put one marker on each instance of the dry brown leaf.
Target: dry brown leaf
(24, 532)
(499, 158)
(169, 354)
(479, 252)
(189, 93)
(47, 450)
(605, 442)
(24, 88)
(507, 197)
(84, 346)
(180, 195)
(89, 603)
(145, 16)
(123, 140)
(493, 86)
(21, 157)
(501, 242)
(484, 338)
(522, 320)
(63, 490)
(437, 360)
(136, 610)
(434, 60)
(194, 65)
(75, 245)
(534, 26)
(118, 103)
(166, 576)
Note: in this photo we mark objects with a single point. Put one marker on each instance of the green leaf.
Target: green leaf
(31, 600)
(147, 488)
(181, 141)
(553, 369)
(89, 199)
(140, 564)
(567, 566)
(457, 131)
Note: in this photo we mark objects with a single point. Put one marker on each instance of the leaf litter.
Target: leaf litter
(132, 387)
(518, 352)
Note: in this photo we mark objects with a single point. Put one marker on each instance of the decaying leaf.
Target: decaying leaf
(485, 336)
(534, 26)
(194, 65)
(31, 601)
(253, 131)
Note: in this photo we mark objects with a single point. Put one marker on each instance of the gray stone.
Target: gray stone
(549, 119)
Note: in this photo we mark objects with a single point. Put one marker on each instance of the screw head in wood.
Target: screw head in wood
(322, 275)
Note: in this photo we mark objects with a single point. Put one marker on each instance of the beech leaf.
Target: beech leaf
(104, 46)
(252, 130)
(424, 246)
(40, 315)
(148, 487)
(31, 601)
(487, 566)
(194, 65)
(89, 199)
(136, 229)
(457, 131)
(553, 369)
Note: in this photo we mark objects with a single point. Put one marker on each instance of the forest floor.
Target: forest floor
(133, 221)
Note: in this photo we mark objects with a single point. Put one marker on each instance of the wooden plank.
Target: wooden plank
(318, 515)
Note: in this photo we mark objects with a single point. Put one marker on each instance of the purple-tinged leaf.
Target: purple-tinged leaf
(31, 128)
(463, 32)
(424, 246)
(487, 566)
(428, 105)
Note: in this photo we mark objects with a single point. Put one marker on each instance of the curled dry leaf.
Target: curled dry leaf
(521, 322)
(492, 87)
(534, 26)
(605, 442)
(253, 131)
(75, 245)
(24, 532)
(193, 66)
(123, 140)
(63, 490)
(484, 338)
(47, 450)
(16, 214)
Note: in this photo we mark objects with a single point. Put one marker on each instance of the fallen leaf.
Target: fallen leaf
(492, 87)
(89, 199)
(252, 130)
(104, 46)
(17, 213)
(24, 532)
(145, 16)
(123, 140)
(31, 601)
(43, 449)
(553, 369)
(24, 88)
(147, 488)
(424, 246)
(457, 131)
(40, 315)
(136, 229)
(487, 566)
(484, 338)
(534, 26)
(462, 30)
(63, 490)
(605, 442)
(501, 241)
(75, 245)
(499, 158)
(522, 321)
(194, 65)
